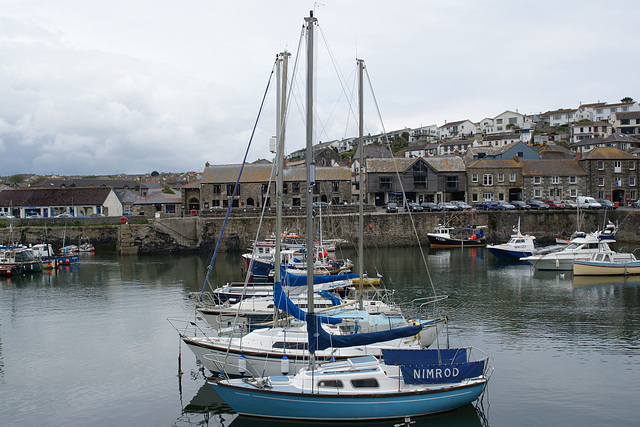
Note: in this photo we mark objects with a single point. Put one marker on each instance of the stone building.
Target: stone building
(559, 179)
(49, 202)
(257, 187)
(611, 174)
(494, 179)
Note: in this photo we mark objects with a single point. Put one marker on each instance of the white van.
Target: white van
(587, 203)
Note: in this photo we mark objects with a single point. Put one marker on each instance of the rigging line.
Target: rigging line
(413, 225)
(235, 188)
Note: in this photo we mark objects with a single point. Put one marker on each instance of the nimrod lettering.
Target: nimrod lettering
(434, 373)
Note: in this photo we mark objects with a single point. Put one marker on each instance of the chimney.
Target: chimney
(578, 155)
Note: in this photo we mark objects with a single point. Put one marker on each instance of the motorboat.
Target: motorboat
(519, 246)
(581, 246)
(445, 236)
(607, 264)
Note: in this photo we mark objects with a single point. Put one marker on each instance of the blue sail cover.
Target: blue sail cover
(331, 297)
(282, 302)
(428, 366)
(319, 339)
(292, 279)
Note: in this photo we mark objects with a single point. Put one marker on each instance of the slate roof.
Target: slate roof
(628, 115)
(262, 173)
(115, 183)
(494, 164)
(552, 167)
(160, 198)
(555, 152)
(81, 196)
(607, 153)
(439, 164)
(372, 151)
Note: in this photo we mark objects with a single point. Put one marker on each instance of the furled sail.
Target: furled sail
(282, 302)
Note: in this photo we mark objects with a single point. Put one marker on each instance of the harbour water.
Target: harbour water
(91, 344)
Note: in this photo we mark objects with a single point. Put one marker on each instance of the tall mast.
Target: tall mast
(360, 184)
(310, 22)
(281, 77)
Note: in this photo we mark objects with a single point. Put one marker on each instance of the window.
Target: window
(573, 179)
(419, 181)
(513, 120)
(215, 203)
(500, 177)
(385, 183)
(487, 197)
(216, 188)
(536, 193)
(512, 177)
(474, 177)
(501, 196)
(537, 180)
(600, 181)
(600, 165)
(365, 383)
(295, 187)
(573, 192)
(452, 182)
(265, 188)
(230, 189)
(555, 180)
(633, 195)
(285, 188)
(487, 179)
(498, 121)
(617, 166)
(335, 186)
(632, 165)
(474, 198)
(295, 201)
(632, 181)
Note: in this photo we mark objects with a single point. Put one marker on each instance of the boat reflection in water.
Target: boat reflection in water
(580, 281)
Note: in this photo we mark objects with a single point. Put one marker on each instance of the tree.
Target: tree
(16, 179)
(167, 190)
(155, 173)
(626, 99)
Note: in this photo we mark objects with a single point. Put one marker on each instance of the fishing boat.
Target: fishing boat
(581, 246)
(391, 383)
(519, 246)
(16, 260)
(445, 236)
(607, 264)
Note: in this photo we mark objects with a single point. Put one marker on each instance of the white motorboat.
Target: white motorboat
(582, 246)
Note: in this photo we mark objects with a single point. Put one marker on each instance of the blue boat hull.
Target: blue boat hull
(273, 404)
(507, 254)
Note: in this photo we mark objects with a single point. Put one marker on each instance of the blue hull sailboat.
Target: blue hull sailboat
(396, 384)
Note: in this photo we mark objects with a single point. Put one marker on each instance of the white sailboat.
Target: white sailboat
(394, 384)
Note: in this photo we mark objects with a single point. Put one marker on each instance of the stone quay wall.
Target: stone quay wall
(200, 234)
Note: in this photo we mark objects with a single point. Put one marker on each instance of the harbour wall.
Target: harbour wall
(200, 234)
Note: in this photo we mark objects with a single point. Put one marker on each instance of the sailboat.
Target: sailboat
(396, 384)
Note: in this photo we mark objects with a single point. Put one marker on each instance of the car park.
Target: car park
(607, 204)
(392, 207)
(520, 205)
(555, 204)
(569, 204)
(429, 206)
(537, 204)
(413, 207)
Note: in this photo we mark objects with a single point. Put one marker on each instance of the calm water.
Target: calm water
(91, 345)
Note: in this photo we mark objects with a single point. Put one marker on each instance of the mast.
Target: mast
(310, 22)
(360, 185)
(281, 103)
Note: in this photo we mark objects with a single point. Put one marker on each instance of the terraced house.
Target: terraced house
(216, 187)
(611, 174)
(494, 179)
(553, 179)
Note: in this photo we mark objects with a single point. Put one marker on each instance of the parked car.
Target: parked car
(6, 215)
(413, 207)
(447, 206)
(537, 204)
(501, 205)
(461, 205)
(314, 204)
(607, 204)
(64, 215)
(484, 206)
(429, 206)
(520, 205)
(34, 215)
(555, 204)
(392, 207)
(569, 204)
(635, 204)
(586, 202)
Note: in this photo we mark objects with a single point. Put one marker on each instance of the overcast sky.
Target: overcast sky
(104, 87)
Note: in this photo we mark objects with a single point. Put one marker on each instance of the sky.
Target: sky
(107, 87)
